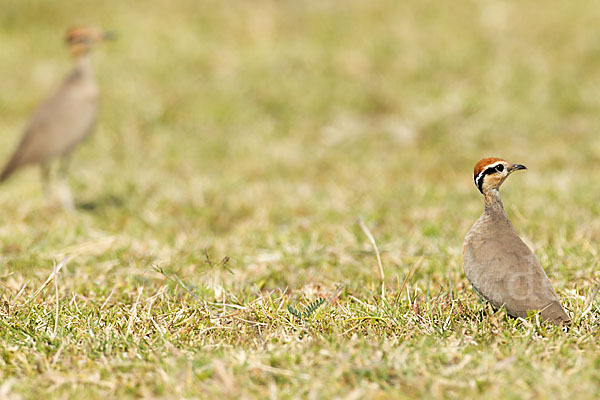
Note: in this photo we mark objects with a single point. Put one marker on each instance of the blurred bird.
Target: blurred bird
(64, 119)
(497, 262)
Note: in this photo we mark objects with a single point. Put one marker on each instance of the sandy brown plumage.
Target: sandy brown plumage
(497, 262)
(67, 117)
(59, 123)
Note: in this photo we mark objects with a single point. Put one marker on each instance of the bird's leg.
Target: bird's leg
(45, 177)
(64, 192)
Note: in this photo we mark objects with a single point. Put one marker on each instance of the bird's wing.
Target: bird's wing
(55, 127)
(509, 275)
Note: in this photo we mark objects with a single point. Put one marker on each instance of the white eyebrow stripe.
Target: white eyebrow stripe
(482, 173)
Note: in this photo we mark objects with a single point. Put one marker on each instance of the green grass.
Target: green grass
(238, 144)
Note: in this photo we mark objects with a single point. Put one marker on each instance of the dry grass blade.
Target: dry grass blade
(414, 266)
(56, 270)
(590, 303)
(133, 313)
(369, 235)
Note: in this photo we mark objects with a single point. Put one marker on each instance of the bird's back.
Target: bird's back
(505, 271)
(59, 123)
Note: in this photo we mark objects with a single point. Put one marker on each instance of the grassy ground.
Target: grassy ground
(238, 144)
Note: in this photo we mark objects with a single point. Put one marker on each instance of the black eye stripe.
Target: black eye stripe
(489, 170)
(79, 39)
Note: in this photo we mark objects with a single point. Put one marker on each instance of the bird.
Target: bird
(64, 119)
(497, 263)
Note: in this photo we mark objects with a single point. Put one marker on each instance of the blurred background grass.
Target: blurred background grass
(261, 130)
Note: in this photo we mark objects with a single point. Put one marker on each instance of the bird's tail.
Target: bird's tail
(8, 170)
(556, 313)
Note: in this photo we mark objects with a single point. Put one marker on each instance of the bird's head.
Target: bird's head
(81, 39)
(489, 173)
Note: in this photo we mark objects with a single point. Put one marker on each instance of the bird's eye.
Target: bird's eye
(500, 168)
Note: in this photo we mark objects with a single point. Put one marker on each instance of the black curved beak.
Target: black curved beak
(516, 167)
(109, 35)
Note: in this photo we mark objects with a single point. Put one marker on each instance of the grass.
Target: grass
(237, 147)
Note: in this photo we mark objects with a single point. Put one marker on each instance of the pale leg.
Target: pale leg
(64, 192)
(45, 177)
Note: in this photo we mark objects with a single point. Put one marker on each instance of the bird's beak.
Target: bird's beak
(109, 35)
(516, 167)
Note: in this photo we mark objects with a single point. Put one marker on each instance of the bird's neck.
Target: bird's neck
(83, 64)
(493, 203)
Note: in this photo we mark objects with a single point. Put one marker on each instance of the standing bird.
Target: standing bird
(497, 262)
(64, 119)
